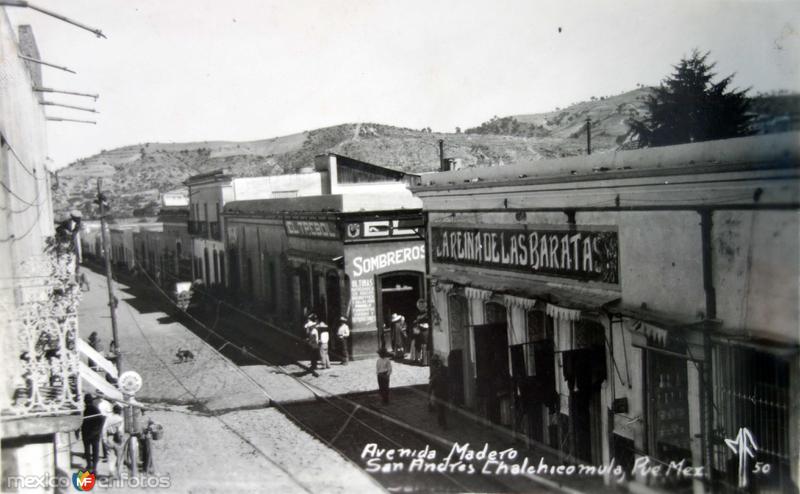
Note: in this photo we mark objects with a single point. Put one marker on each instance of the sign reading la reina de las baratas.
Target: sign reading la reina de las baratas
(582, 254)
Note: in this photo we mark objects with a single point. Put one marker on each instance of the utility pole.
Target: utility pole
(441, 156)
(105, 243)
(588, 135)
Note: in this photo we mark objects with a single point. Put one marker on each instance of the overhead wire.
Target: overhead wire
(318, 394)
(215, 416)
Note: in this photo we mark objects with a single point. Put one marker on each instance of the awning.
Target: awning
(658, 327)
(301, 258)
(651, 319)
(567, 301)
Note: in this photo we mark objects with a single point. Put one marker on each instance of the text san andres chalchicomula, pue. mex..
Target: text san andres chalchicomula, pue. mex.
(487, 461)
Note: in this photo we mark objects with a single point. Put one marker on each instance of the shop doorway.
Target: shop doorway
(584, 370)
(492, 380)
(458, 308)
(397, 293)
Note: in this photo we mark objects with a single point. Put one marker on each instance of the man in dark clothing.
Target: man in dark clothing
(91, 431)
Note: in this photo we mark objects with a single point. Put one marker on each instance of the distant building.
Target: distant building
(340, 239)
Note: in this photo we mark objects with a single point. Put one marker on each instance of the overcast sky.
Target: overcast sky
(187, 70)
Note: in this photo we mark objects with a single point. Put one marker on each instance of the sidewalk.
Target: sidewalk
(220, 435)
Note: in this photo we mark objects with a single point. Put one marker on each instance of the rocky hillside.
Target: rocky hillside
(135, 175)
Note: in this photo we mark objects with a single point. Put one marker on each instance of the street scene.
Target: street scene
(459, 247)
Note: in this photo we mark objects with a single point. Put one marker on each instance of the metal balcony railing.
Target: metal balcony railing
(42, 365)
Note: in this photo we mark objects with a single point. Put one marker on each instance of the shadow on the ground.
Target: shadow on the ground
(238, 337)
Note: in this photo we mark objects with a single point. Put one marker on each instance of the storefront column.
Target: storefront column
(441, 324)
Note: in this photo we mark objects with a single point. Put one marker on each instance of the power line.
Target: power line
(238, 369)
(301, 382)
(4, 141)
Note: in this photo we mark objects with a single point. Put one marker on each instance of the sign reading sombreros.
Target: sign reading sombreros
(130, 382)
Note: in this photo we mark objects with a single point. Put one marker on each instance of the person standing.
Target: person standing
(313, 341)
(342, 334)
(413, 343)
(113, 439)
(383, 368)
(423, 343)
(324, 340)
(91, 431)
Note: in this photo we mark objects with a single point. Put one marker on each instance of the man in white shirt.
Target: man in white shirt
(324, 339)
(342, 334)
(313, 341)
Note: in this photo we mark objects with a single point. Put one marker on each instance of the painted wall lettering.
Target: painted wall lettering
(589, 255)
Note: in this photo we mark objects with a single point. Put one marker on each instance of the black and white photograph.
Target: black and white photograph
(366, 246)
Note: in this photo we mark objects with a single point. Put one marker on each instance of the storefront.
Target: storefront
(521, 307)
(639, 306)
(365, 268)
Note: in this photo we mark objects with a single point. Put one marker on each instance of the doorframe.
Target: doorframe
(420, 275)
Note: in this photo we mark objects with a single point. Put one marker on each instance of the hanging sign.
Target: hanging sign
(587, 255)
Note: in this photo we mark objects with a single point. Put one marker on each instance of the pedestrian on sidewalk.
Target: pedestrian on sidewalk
(423, 343)
(440, 391)
(414, 342)
(324, 340)
(113, 439)
(383, 369)
(91, 430)
(342, 334)
(313, 341)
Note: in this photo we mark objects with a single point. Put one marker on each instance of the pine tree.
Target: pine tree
(689, 107)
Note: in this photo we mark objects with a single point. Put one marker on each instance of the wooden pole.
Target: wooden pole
(109, 279)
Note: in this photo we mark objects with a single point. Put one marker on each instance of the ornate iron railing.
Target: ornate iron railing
(42, 359)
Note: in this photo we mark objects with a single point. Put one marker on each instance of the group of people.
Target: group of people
(318, 339)
(402, 340)
(101, 426)
(103, 429)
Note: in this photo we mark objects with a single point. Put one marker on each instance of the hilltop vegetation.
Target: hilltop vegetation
(135, 175)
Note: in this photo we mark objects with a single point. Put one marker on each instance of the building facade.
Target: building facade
(345, 243)
(334, 255)
(40, 403)
(634, 305)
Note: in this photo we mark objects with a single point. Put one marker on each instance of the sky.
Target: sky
(194, 70)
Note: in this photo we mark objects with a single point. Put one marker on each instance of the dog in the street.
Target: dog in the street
(184, 355)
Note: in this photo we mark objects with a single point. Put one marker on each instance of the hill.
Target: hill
(135, 175)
